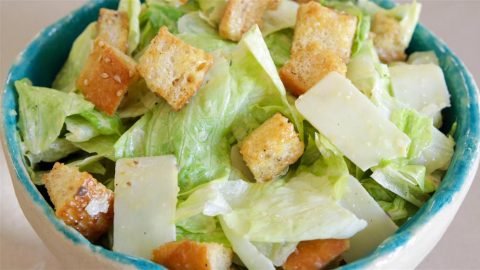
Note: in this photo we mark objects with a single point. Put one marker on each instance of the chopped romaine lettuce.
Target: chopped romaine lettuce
(59, 149)
(82, 46)
(102, 145)
(132, 8)
(43, 112)
(284, 16)
(138, 101)
(437, 155)
(279, 44)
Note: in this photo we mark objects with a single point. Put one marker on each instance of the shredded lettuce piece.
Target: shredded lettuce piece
(59, 149)
(203, 229)
(417, 127)
(82, 46)
(212, 10)
(102, 145)
(139, 101)
(42, 114)
(284, 16)
(132, 8)
(279, 44)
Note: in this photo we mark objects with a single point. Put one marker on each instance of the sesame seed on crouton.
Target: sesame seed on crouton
(79, 200)
(173, 69)
(271, 148)
(106, 76)
(188, 254)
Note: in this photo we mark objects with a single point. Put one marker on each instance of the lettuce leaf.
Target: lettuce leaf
(279, 44)
(139, 101)
(203, 229)
(132, 8)
(284, 16)
(102, 145)
(417, 127)
(81, 48)
(42, 113)
(59, 149)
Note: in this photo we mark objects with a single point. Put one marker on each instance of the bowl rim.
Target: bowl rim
(435, 204)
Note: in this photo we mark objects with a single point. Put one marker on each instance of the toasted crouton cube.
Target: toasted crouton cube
(271, 148)
(240, 15)
(113, 28)
(309, 66)
(387, 38)
(79, 200)
(325, 27)
(188, 254)
(106, 76)
(316, 254)
(173, 69)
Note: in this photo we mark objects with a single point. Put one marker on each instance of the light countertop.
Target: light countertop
(456, 22)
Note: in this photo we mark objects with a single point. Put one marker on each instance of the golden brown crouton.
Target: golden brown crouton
(106, 76)
(303, 1)
(309, 66)
(173, 69)
(186, 254)
(79, 200)
(325, 27)
(113, 28)
(273, 4)
(315, 254)
(271, 148)
(240, 15)
(387, 38)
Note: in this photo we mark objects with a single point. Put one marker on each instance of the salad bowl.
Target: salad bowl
(43, 58)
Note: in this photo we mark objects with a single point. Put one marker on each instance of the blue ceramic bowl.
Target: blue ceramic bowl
(43, 58)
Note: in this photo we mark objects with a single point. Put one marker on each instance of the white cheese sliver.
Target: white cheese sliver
(146, 192)
(420, 87)
(351, 122)
(380, 226)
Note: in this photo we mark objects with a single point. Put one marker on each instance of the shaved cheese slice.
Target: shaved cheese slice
(380, 226)
(351, 122)
(146, 192)
(420, 87)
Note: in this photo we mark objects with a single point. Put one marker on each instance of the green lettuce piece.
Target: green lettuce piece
(81, 48)
(106, 125)
(90, 164)
(438, 154)
(397, 209)
(42, 113)
(284, 16)
(132, 8)
(233, 92)
(193, 23)
(212, 10)
(406, 181)
(279, 44)
(155, 16)
(59, 149)
(202, 229)
(207, 42)
(80, 129)
(102, 145)
(139, 101)
(417, 127)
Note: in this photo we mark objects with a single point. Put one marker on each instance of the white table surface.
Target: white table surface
(456, 22)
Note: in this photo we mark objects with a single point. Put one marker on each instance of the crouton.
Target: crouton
(193, 255)
(113, 28)
(173, 69)
(303, 1)
(309, 66)
(325, 27)
(106, 76)
(315, 254)
(79, 200)
(271, 148)
(273, 4)
(240, 15)
(387, 38)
